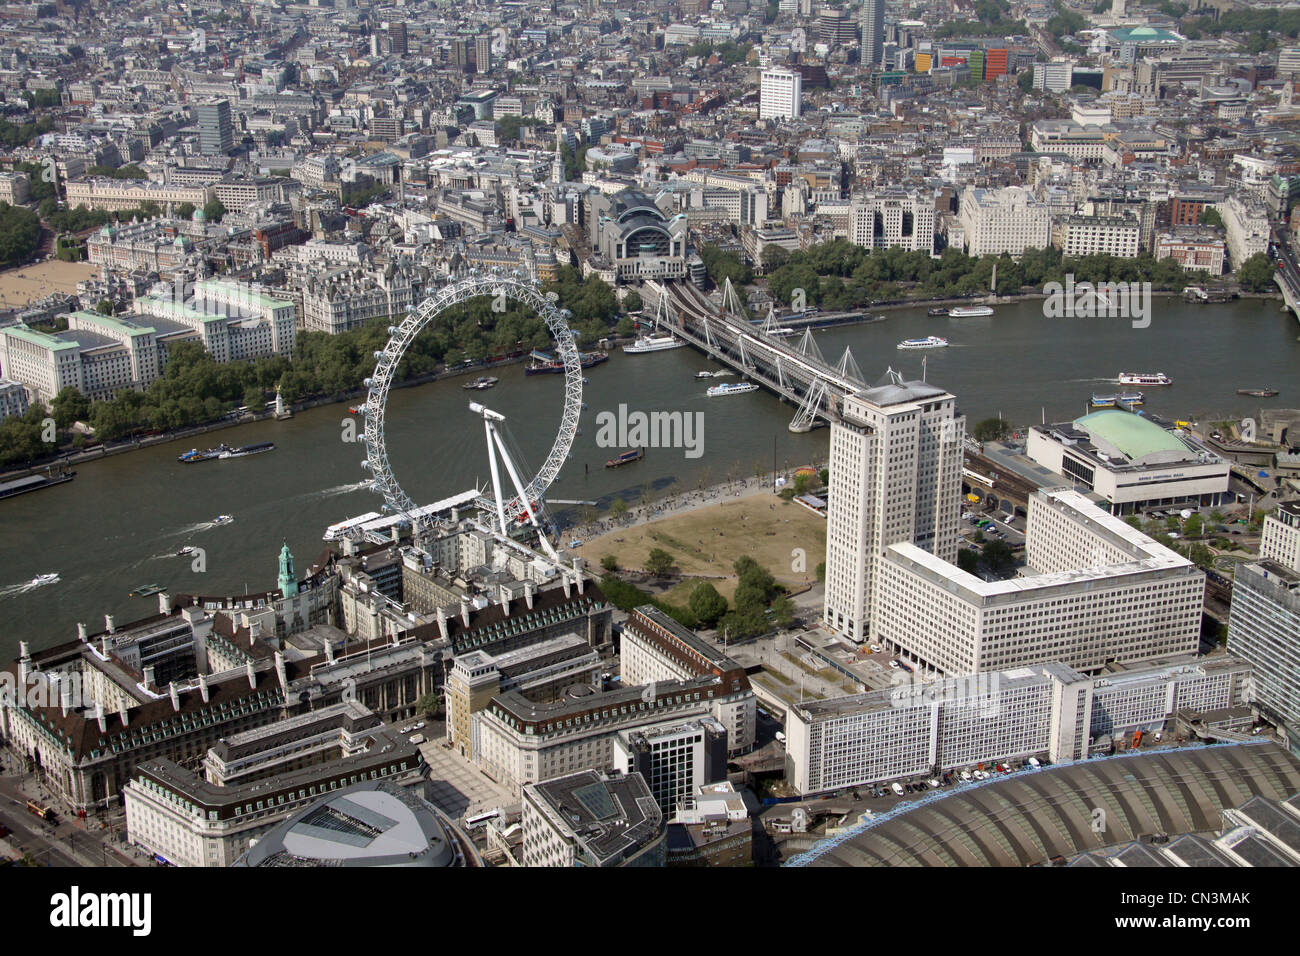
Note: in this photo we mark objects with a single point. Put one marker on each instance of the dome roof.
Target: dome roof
(1133, 435)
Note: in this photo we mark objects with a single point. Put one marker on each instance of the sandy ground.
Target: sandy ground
(706, 532)
(22, 285)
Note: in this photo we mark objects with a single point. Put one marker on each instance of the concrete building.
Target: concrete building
(1047, 710)
(1131, 462)
(236, 321)
(1056, 76)
(895, 475)
(1264, 629)
(1008, 220)
(1246, 226)
(13, 398)
(1083, 143)
(631, 234)
(1078, 236)
(1280, 541)
(873, 32)
(1095, 591)
(780, 94)
(113, 194)
(587, 819)
(893, 218)
(674, 759)
(711, 828)
(216, 132)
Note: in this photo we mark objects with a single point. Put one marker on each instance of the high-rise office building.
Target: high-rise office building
(459, 53)
(1264, 629)
(780, 95)
(873, 31)
(483, 54)
(895, 477)
(397, 37)
(835, 26)
(216, 132)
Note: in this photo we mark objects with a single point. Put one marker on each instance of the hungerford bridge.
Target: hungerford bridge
(798, 373)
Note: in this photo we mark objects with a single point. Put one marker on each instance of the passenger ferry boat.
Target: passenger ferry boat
(652, 343)
(245, 450)
(929, 342)
(969, 311)
(731, 388)
(1144, 378)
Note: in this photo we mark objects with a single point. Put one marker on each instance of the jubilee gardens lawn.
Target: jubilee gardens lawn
(706, 541)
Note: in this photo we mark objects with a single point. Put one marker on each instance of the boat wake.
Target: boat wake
(13, 590)
(191, 529)
(340, 490)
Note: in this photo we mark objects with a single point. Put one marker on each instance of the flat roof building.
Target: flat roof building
(589, 819)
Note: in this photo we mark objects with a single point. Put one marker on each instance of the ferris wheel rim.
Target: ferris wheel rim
(515, 288)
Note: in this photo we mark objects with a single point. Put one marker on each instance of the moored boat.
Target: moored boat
(636, 454)
(731, 388)
(145, 590)
(483, 381)
(652, 343)
(969, 311)
(1258, 392)
(245, 450)
(1102, 401)
(937, 310)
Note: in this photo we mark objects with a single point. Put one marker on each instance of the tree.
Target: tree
(1194, 527)
(213, 210)
(70, 406)
(430, 705)
(1256, 273)
(254, 399)
(632, 302)
(991, 429)
(707, 604)
(619, 508)
(821, 570)
(105, 307)
(609, 563)
(998, 556)
(783, 611)
(968, 560)
(1025, 80)
(1210, 217)
(774, 257)
(659, 562)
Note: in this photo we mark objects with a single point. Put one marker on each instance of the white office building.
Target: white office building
(895, 476)
(1095, 592)
(1281, 537)
(780, 95)
(893, 218)
(1078, 236)
(13, 399)
(1264, 629)
(1048, 710)
(1008, 220)
(1246, 228)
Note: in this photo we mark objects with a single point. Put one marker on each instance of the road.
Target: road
(71, 842)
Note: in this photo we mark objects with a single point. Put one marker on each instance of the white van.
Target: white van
(417, 739)
(897, 788)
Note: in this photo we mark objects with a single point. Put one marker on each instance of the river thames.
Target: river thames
(118, 525)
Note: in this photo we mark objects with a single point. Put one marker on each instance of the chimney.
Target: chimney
(99, 715)
(175, 695)
(103, 646)
(329, 650)
(148, 676)
(81, 631)
(108, 623)
(164, 603)
(348, 547)
(442, 621)
(505, 600)
(24, 663)
(203, 687)
(254, 630)
(122, 712)
(252, 674)
(280, 672)
(464, 611)
(397, 535)
(528, 594)
(564, 579)
(65, 695)
(577, 571)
